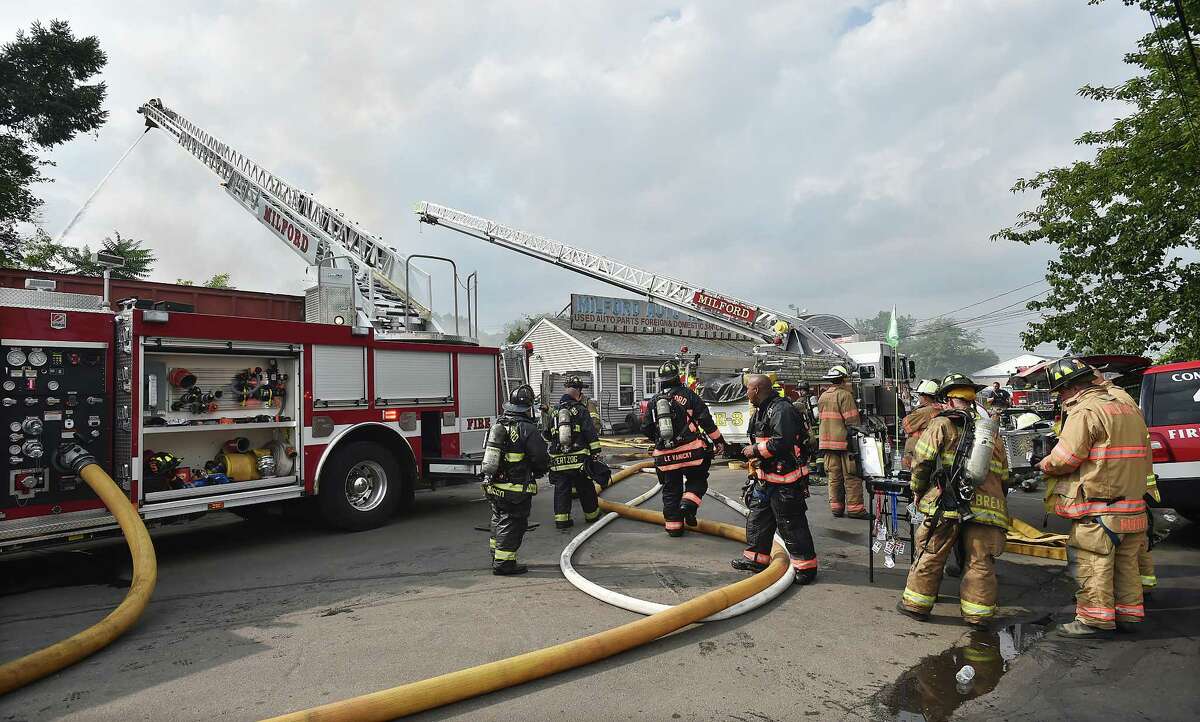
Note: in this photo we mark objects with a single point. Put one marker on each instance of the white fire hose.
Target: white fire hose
(643, 606)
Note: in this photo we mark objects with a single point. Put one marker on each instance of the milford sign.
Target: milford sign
(725, 307)
(627, 315)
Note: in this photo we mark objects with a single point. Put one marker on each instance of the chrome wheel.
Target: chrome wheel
(366, 485)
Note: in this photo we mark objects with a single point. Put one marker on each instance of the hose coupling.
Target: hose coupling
(71, 458)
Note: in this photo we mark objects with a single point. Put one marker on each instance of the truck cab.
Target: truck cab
(1170, 401)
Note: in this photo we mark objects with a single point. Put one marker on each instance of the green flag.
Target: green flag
(893, 334)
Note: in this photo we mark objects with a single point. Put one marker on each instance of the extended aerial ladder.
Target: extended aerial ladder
(742, 317)
(387, 287)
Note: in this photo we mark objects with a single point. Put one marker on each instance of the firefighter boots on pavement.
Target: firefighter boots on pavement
(911, 613)
(689, 515)
(1079, 630)
(564, 523)
(805, 577)
(508, 568)
(746, 565)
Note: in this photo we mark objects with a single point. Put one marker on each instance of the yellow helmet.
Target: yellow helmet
(928, 387)
(962, 392)
(781, 327)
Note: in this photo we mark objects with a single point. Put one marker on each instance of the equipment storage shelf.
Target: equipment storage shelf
(195, 446)
(227, 428)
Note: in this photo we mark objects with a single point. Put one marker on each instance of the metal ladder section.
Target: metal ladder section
(722, 310)
(314, 231)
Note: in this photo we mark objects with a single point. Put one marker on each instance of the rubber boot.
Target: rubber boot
(743, 564)
(856, 515)
(675, 532)
(689, 515)
(806, 577)
(837, 513)
(508, 568)
(1079, 630)
(910, 613)
(564, 524)
(1128, 627)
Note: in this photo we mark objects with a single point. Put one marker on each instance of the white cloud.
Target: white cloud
(849, 145)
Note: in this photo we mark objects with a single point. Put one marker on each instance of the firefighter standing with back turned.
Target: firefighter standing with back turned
(513, 459)
(981, 521)
(837, 412)
(1097, 475)
(685, 439)
(778, 485)
(573, 446)
(916, 420)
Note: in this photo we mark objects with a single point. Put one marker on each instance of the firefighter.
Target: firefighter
(935, 461)
(837, 412)
(1097, 476)
(916, 420)
(806, 423)
(574, 445)
(777, 487)
(514, 459)
(685, 440)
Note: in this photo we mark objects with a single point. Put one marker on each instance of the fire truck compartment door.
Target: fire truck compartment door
(339, 376)
(476, 400)
(412, 377)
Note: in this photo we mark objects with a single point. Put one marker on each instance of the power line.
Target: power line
(977, 303)
(1187, 37)
(1184, 106)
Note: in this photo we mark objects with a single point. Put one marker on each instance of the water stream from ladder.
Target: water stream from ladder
(83, 208)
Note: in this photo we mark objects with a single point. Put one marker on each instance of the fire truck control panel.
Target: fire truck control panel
(52, 394)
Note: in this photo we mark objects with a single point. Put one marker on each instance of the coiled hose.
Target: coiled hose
(467, 683)
(20, 672)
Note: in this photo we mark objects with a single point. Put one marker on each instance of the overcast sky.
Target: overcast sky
(841, 156)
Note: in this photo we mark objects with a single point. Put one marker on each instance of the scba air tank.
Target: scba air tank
(662, 413)
(563, 419)
(494, 449)
(981, 449)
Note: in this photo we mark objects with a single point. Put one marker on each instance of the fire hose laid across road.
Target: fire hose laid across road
(428, 693)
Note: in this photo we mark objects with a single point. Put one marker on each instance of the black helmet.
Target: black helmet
(668, 374)
(521, 396)
(575, 382)
(1068, 370)
(803, 386)
(957, 382)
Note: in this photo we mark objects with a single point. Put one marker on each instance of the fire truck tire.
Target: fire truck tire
(361, 486)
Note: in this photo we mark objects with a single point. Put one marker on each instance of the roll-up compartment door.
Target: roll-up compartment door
(477, 400)
(339, 376)
(412, 377)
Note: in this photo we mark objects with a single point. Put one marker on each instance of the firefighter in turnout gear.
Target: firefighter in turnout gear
(574, 446)
(777, 486)
(1097, 476)
(806, 422)
(685, 439)
(979, 516)
(917, 419)
(837, 412)
(514, 458)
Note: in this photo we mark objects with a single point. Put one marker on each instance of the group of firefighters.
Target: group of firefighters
(1099, 476)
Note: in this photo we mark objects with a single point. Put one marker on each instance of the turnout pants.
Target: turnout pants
(977, 589)
(682, 489)
(780, 507)
(510, 517)
(1106, 572)
(1145, 560)
(845, 489)
(563, 482)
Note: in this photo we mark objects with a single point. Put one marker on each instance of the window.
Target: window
(625, 387)
(650, 379)
(1174, 400)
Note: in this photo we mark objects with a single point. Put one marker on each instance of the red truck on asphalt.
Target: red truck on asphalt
(1170, 401)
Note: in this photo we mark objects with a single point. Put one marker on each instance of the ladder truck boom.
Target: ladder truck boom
(317, 233)
(720, 309)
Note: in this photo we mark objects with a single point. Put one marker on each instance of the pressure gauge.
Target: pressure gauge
(15, 357)
(37, 357)
(10, 385)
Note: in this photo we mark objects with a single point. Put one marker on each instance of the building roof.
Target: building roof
(1010, 367)
(652, 345)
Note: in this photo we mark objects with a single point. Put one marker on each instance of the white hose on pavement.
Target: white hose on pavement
(643, 606)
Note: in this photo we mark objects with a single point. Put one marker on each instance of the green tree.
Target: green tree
(44, 101)
(1126, 224)
(218, 280)
(45, 255)
(514, 330)
(875, 329)
(942, 346)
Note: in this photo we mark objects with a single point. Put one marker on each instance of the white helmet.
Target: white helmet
(837, 372)
(1027, 420)
(928, 387)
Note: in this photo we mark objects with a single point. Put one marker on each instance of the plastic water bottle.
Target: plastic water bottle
(965, 675)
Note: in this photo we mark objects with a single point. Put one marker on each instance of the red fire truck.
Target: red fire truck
(357, 406)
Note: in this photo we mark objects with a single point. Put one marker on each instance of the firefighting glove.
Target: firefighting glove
(747, 492)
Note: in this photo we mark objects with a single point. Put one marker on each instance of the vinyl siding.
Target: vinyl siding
(556, 352)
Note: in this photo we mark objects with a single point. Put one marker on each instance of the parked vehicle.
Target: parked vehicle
(1170, 401)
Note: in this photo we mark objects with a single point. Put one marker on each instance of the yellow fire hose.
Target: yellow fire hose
(20, 672)
(467, 683)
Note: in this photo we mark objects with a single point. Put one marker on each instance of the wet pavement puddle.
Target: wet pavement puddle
(929, 692)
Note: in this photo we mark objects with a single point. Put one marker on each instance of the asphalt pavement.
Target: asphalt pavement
(252, 619)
